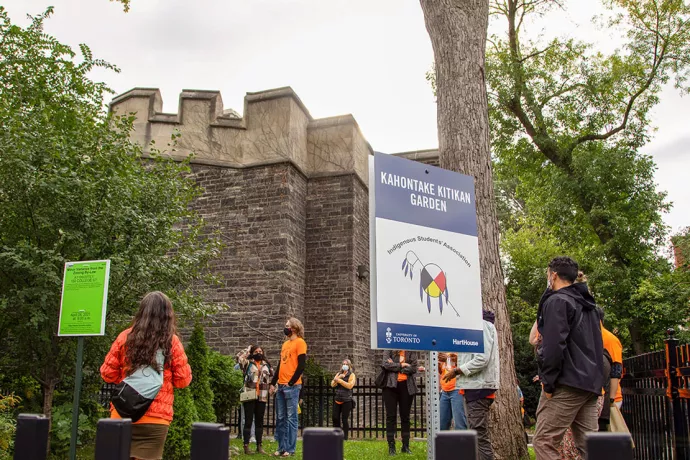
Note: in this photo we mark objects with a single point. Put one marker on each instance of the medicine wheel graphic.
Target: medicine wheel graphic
(432, 281)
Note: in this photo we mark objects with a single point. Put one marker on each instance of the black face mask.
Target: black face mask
(257, 357)
(287, 331)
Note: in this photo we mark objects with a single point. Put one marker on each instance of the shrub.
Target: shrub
(179, 442)
(61, 430)
(197, 352)
(7, 425)
(226, 383)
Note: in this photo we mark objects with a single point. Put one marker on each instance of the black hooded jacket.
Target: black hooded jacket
(571, 351)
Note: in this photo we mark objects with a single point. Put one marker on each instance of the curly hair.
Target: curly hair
(152, 329)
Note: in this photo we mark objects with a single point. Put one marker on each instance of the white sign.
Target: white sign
(425, 282)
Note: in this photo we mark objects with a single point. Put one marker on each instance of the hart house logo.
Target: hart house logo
(389, 335)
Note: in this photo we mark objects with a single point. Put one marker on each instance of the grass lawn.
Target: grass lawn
(354, 450)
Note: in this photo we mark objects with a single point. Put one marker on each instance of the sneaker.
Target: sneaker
(252, 440)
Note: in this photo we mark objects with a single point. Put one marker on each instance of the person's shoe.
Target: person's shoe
(260, 450)
(247, 451)
(406, 447)
(391, 448)
(252, 440)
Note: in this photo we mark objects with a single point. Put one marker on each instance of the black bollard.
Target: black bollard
(323, 444)
(210, 441)
(607, 446)
(113, 438)
(31, 440)
(455, 445)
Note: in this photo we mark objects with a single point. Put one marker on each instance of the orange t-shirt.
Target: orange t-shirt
(450, 385)
(288, 359)
(615, 349)
(145, 420)
(402, 377)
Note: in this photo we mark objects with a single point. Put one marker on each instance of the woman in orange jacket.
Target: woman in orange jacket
(153, 330)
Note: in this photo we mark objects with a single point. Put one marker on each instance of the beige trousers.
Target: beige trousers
(568, 407)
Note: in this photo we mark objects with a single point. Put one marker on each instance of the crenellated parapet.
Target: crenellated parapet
(275, 127)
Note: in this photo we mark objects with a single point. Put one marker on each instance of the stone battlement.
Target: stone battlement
(276, 128)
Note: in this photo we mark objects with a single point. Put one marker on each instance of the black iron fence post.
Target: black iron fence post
(680, 430)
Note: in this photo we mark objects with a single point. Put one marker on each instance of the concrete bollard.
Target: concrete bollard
(31, 440)
(607, 446)
(113, 439)
(210, 441)
(456, 445)
(323, 444)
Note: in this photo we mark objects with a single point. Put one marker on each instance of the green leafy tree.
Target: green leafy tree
(226, 383)
(198, 354)
(178, 444)
(73, 187)
(568, 124)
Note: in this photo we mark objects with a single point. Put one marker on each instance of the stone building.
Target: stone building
(289, 195)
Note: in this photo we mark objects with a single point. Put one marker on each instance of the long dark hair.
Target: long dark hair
(152, 330)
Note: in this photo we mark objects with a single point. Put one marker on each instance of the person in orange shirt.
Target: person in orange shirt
(151, 340)
(288, 376)
(452, 402)
(343, 382)
(399, 390)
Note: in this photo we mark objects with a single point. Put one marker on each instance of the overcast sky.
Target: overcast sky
(364, 57)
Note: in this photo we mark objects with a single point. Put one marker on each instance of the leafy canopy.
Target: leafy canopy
(73, 187)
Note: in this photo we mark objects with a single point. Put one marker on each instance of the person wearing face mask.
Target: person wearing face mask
(451, 403)
(570, 355)
(257, 376)
(288, 376)
(343, 382)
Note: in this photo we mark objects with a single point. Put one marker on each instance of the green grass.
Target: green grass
(354, 450)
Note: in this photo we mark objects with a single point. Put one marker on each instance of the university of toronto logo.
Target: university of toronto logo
(389, 335)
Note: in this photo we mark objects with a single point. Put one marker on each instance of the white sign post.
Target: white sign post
(424, 265)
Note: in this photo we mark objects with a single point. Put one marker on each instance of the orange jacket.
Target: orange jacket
(177, 373)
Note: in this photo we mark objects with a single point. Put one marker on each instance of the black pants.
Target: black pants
(253, 413)
(392, 398)
(478, 420)
(342, 411)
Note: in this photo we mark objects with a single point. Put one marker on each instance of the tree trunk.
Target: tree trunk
(458, 35)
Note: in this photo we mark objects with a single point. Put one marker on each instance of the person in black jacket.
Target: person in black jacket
(570, 361)
(399, 390)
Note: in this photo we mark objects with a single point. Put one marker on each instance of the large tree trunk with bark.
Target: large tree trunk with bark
(458, 34)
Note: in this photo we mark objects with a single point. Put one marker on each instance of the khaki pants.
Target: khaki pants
(568, 407)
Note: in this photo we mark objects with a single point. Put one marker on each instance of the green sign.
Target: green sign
(84, 298)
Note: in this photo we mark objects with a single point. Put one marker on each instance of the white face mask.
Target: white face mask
(548, 281)
(346, 367)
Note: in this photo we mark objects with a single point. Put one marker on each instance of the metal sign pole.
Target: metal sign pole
(75, 404)
(433, 423)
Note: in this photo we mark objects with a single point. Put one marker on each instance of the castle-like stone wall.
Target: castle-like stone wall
(289, 195)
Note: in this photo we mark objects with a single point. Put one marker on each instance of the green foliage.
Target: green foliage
(179, 441)
(198, 355)
(313, 371)
(7, 424)
(61, 430)
(74, 187)
(226, 383)
(568, 125)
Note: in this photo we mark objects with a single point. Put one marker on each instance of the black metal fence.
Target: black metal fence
(656, 394)
(367, 420)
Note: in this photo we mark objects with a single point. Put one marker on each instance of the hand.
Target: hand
(421, 369)
(548, 395)
(272, 390)
(389, 361)
(449, 376)
(535, 378)
(404, 365)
